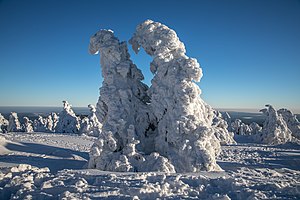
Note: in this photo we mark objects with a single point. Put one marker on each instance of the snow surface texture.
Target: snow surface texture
(68, 122)
(185, 135)
(13, 123)
(90, 125)
(3, 124)
(275, 129)
(253, 171)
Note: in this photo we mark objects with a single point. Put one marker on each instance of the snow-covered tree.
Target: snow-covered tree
(54, 120)
(27, 126)
(185, 133)
(14, 124)
(221, 127)
(275, 129)
(3, 124)
(68, 121)
(227, 118)
(39, 124)
(90, 125)
(291, 121)
(122, 106)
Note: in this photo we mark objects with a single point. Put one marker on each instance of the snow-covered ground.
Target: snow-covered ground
(53, 166)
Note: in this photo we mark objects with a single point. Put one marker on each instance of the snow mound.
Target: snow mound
(68, 121)
(185, 135)
(13, 123)
(275, 129)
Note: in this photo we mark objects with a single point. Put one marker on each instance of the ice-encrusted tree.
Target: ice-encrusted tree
(185, 134)
(123, 110)
(3, 124)
(14, 124)
(227, 118)
(27, 126)
(275, 129)
(90, 125)
(39, 124)
(68, 121)
(52, 120)
(221, 129)
(291, 121)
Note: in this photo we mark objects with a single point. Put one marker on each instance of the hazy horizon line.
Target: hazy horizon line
(249, 110)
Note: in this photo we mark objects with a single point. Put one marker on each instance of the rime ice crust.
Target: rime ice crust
(68, 122)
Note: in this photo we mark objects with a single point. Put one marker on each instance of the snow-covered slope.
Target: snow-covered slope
(51, 166)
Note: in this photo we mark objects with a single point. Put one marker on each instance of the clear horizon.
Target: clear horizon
(248, 50)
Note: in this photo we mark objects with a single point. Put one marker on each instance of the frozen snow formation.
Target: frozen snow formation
(52, 121)
(68, 122)
(291, 121)
(184, 121)
(240, 128)
(122, 110)
(39, 124)
(3, 124)
(13, 123)
(27, 126)
(275, 129)
(221, 127)
(167, 127)
(90, 125)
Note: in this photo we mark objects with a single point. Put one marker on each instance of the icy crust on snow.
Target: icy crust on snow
(122, 110)
(185, 135)
(68, 121)
(3, 124)
(13, 123)
(275, 129)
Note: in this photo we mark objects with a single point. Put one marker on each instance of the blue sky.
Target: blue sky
(249, 51)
